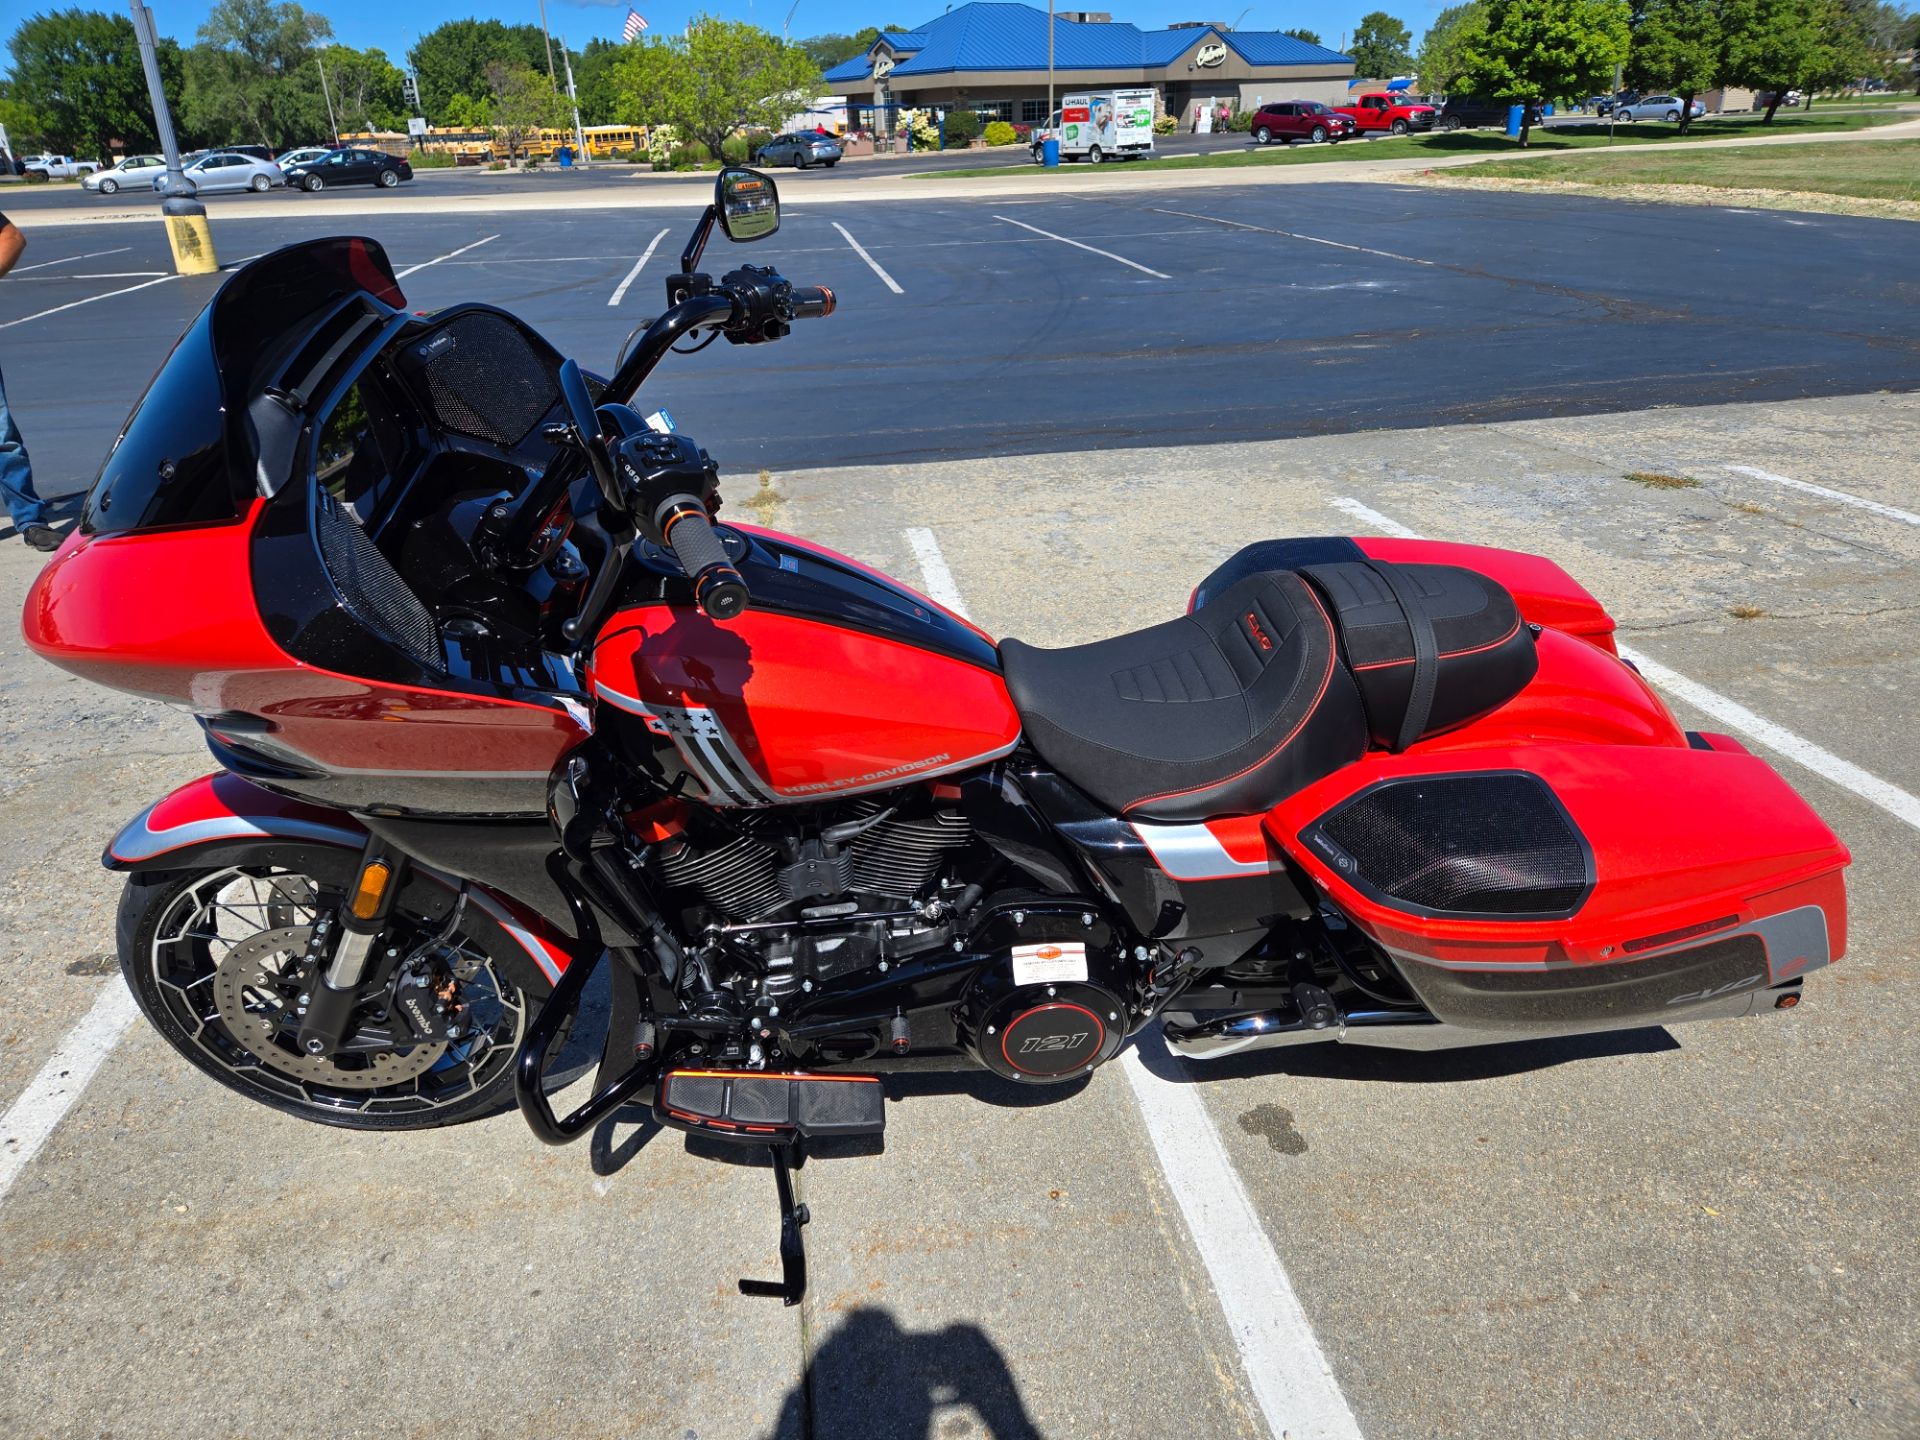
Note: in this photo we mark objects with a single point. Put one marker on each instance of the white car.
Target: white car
(135, 171)
(223, 170)
(60, 167)
(309, 156)
(1655, 107)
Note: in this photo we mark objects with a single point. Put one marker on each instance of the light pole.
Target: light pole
(186, 218)
(1049, 61)
(573, 99)
(327, 95)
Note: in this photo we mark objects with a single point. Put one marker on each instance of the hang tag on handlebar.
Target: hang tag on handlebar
(661, 422)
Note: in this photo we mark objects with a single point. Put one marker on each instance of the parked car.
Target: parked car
(1466, 112)
(1291, 120)
(352, 166)
(1605, 105)
(305, 156)
(58, 167)
(1380, 111)
(801, 149)
(221, 171)
(1656, 107)
(134, 171)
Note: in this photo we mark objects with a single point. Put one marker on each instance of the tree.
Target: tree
(1381, 47)
(453, 58)
(1441, 61)
(252, 74)
(1678, 45)
(463, 112)
(79, 73)
(1533, 51)
(524, 101)
(593, 78)
(1771, 45)
(718, 77)
(1306, 35)
(26, 127)
(831, 50)
(366, 88)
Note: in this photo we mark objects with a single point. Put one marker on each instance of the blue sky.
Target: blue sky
(363, 23)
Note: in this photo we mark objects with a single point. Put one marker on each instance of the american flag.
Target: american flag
(636, 22)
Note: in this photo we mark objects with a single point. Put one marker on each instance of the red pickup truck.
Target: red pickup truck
(1379, 111)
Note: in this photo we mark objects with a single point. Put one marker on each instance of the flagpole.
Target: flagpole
(552, 79)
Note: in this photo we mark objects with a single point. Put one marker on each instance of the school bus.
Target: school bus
(603, 142)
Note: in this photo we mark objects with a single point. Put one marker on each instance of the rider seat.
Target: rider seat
(1270, 684)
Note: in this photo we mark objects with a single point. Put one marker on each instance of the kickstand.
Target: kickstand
(792, 1283)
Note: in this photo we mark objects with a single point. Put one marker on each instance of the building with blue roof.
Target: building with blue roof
(991, 57)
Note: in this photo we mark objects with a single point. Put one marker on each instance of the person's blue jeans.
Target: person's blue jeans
(16, 472)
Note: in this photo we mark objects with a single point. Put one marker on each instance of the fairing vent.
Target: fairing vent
(371, 589)
(1489, 845)
(484, 378)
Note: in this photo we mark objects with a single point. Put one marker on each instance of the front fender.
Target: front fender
(221, 819)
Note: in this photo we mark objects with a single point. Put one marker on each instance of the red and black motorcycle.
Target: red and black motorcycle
(496, 702)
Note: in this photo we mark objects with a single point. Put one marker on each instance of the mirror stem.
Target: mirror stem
(690, 257)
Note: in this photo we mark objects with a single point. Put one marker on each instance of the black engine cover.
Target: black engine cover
(1051, 1003)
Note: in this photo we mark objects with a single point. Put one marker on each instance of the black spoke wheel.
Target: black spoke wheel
(216, 959)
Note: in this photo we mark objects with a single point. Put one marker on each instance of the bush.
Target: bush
(690, 156)
(962, 125)
(431, 160)
(638, 157)
(1022, 133)
(735, 150)
(925, 136)
(1241, 121)
(1001, 133)
(1165, 124)
(496, 164)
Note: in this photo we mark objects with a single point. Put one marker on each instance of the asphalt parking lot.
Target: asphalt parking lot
(1702, 1231)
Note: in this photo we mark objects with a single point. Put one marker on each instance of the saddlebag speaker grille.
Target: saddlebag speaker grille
(1495, 845)
(484, 378)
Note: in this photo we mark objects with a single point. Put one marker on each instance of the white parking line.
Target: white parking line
(873, 264)
(1891, 798)
(1108, 254)
(76, 304)
(448, 256)
(620, 290)
(71, 259)
(1285, 1365)
(1296, 235)
(1905, 517)
(28, 1122)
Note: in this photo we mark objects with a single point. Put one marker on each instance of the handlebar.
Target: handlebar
(718, 588)
(812, 302)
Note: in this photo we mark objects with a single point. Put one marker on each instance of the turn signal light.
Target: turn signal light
(373, 885)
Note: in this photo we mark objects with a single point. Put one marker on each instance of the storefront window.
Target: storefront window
(1033, 112)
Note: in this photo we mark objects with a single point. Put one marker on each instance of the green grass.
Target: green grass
(1884, 170)
(1546, 141)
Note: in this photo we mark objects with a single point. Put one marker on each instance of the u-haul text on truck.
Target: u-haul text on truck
(1100, 125)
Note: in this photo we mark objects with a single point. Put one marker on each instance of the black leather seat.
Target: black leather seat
(1223, 712)
(1272, 682)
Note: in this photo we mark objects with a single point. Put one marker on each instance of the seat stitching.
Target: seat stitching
(1333, 661)
(1444, 654)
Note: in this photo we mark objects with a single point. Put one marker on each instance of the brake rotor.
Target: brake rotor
(256, 1000)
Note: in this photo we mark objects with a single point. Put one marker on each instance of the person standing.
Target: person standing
(16, 471)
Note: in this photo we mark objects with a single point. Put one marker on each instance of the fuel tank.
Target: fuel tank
(837, 681)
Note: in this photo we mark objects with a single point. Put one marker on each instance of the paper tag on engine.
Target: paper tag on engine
(1049, 964)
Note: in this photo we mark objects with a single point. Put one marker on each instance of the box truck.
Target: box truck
(1100, 125)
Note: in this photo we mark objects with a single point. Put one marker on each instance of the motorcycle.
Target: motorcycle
(497, 702)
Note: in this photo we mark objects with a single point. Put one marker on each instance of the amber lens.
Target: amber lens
(373, 884)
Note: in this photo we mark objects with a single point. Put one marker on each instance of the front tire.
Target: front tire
(1625, 117)
(314, 184)
(1094, 157)
(213, 956)
(1318, 135)
(1263, 135)
(1399, 127)
(109, 187)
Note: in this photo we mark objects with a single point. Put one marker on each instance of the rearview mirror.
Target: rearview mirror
(747, 204)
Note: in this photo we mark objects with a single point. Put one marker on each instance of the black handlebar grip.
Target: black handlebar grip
(812, 302)
(718, 588)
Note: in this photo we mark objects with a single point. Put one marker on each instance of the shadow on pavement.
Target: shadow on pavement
(1331, 1060)
(875, 1380)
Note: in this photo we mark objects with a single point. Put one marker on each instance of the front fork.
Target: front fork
(353, 931)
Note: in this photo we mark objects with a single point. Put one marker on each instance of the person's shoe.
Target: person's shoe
(41, 537)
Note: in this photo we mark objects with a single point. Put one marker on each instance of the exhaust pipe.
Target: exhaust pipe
(1214, 1039)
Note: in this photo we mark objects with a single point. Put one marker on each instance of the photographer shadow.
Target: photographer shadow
(878, 1381)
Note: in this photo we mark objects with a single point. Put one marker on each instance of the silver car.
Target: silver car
(1655, 107)
(134, 171)
(801, 149)
(223, 171)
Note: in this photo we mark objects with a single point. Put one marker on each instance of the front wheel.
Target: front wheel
(315, 184)
(1399, 127)
(108, 187)
(1263, 135)
(389, 179)
(216, 958)
(1094, 157)
(1625, 117)
(1319, 135)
